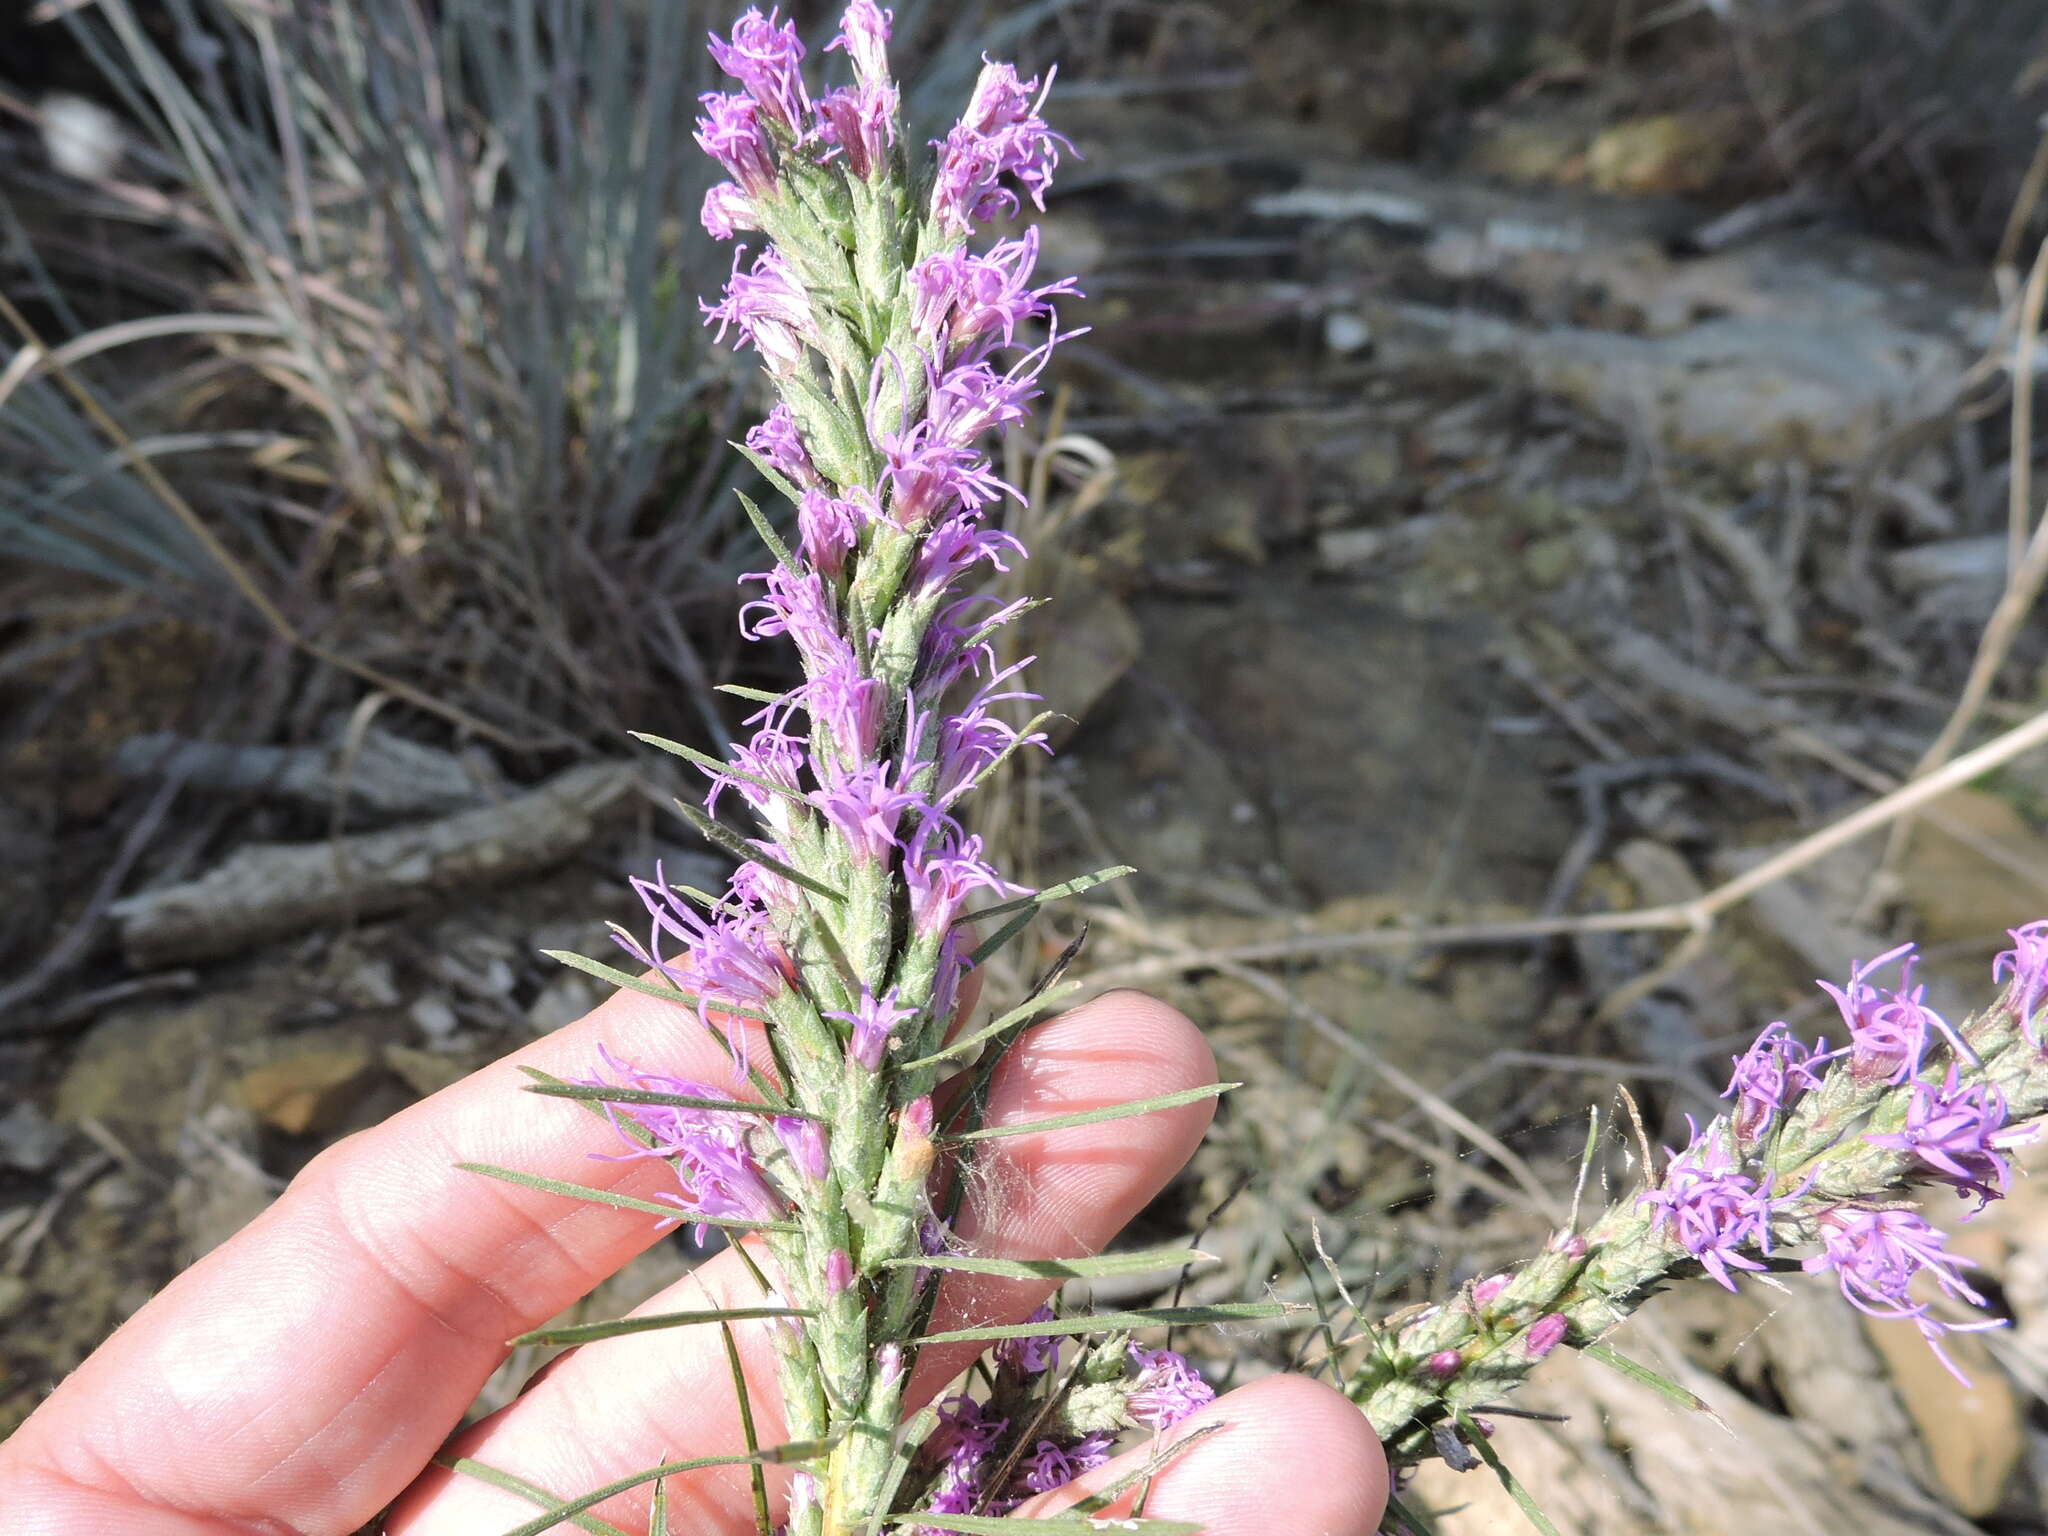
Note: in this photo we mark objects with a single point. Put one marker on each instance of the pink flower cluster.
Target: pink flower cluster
(1714, 1198)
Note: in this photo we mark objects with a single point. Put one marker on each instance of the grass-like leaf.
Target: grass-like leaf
(746, 852)
(587, 1333)
(1052, 893)
(657, 1517)
(533, 1493)
(1521, 1495)
(763, 1525)
(715, 765)
(751, 695)
(1058, 1525)
(775, 478)
(795, 1450)
(763, 527)
(1636, 1371)
(1138, 1262)
(604, 1095)
(667, 994)
(1096, 1116)
(1107, 1322)
(1404, 1519)
(624, 1202)
(967, 1045)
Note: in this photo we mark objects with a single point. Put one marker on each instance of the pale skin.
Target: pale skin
(302, 1377)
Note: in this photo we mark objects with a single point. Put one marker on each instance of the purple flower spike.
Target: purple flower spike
(865, 807)
(864, 34)
(829, 527)
(770, 309)
(1167, 1389)
(1889, 1031)
(2027, 964)
(777, 440)
(859, 121)
(1031, 1356)
(766, 57)
(961, 299)
(1714, 1212)
(727, 211)
(943, 870)
(873, 1022)
(710, 1149)
(1959, 1132)
(1000, 135)
(1052, 1465)
(961, 1443)
(730, 132)
(849, 707)
(1876, 1254)
(1773, 1068)
(805, 1142)
(797, 604)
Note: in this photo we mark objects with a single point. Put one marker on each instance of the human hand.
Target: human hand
(302, 1376)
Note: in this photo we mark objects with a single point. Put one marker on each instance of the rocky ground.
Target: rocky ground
(1486, 541)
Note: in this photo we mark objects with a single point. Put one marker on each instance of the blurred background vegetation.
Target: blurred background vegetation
(1534, 458)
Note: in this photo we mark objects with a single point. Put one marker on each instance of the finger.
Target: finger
(301, 1373)
(1290, 1454)
(620, 1405)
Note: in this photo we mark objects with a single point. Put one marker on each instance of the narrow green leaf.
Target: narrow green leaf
(624, 1202)
(657, 1519)
(741, 849)
(1134, 1263)
(767, 531)
(771, 474)
(1108, 1322)
(966, 1045)
(661, 990)
(586, 1333)
(632, 1128)
(717, 765)
(996, 942)
(1156, 1459)
(604, 1095)
(533, 1493)
(763, 1525)
(1636, 1371)
(1508, 1480)
(1096, 1116)
(797, 1450)
(752, 695)
(1059, 1525)
(1052, 893)
(1413, 1523)
(910, 1435)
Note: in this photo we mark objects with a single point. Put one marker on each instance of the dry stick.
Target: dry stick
(2026, 557)
(1694, 916)
(236, 572)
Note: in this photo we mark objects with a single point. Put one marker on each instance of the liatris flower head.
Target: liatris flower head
(832, 964)
(1811, 1171)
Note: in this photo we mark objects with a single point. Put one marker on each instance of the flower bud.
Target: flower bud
(1544, 1335)
(838, 1272)
(1444, 1364)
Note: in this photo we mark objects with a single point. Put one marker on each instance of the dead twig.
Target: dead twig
(1695, 916)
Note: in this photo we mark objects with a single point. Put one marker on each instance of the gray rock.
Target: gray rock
(29, 1140)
